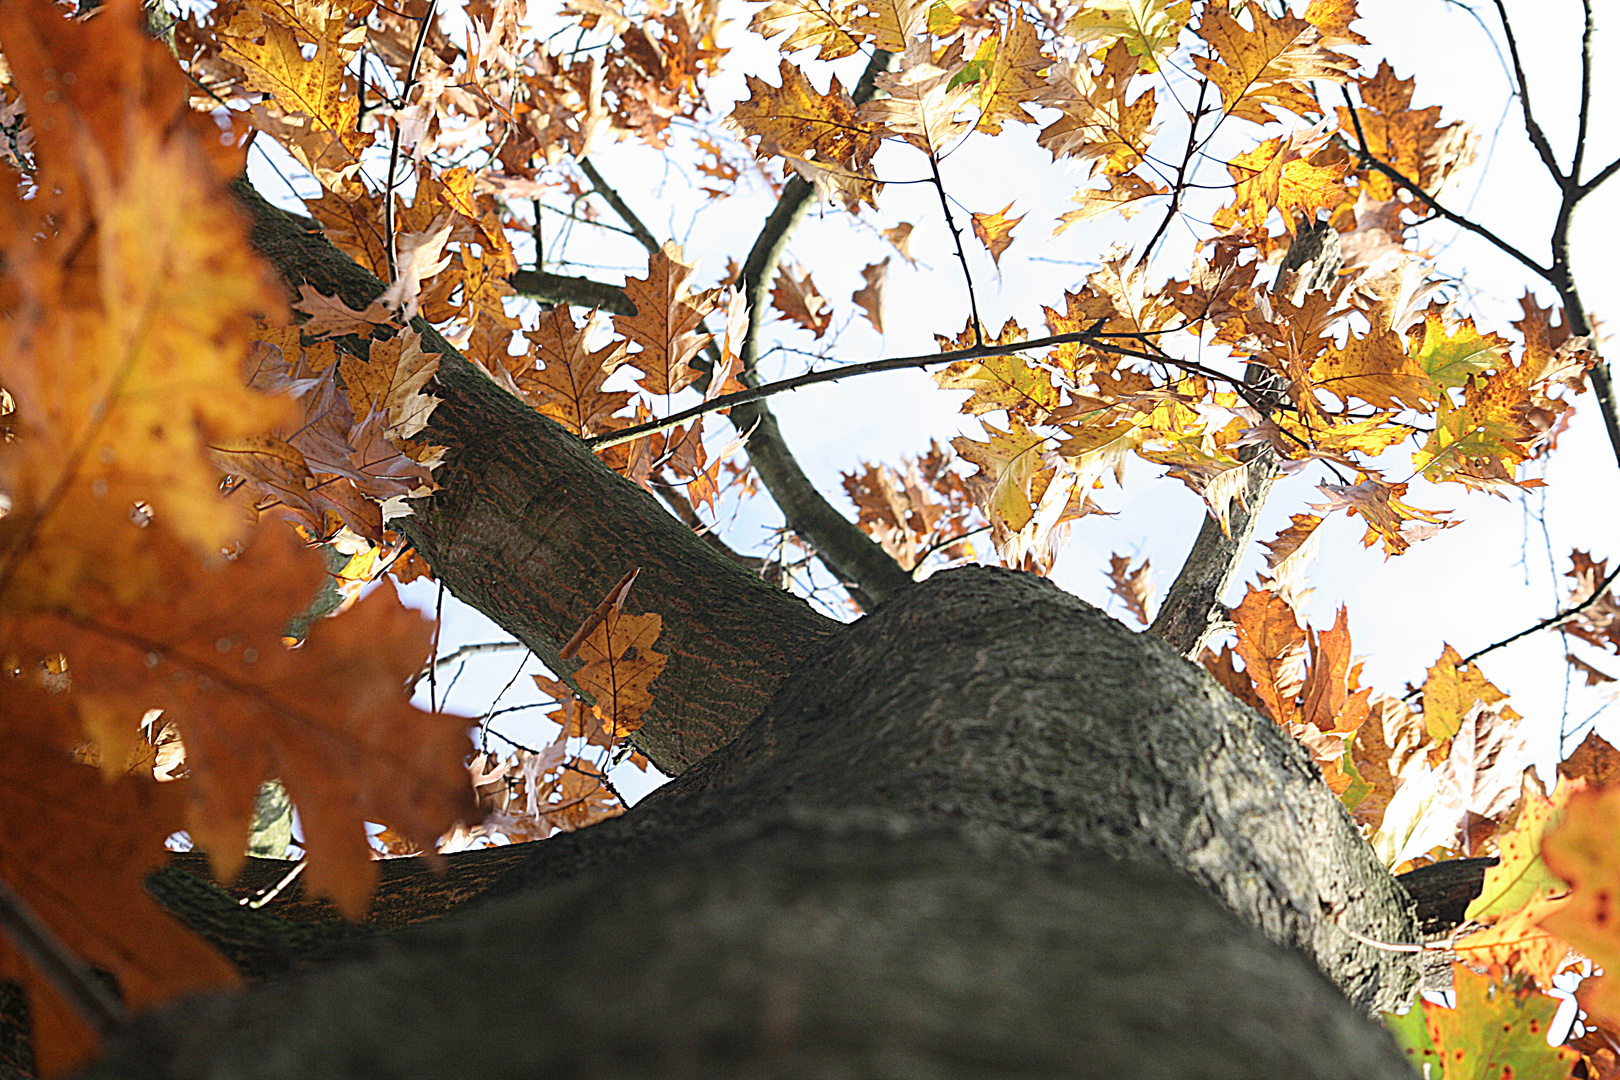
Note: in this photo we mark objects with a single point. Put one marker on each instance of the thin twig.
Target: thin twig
(1538, 138)
(72, 977)
(961, 256)
(1090, 337)
(1181, 172)
(1547, 623)
(1369, 160)
(391, 248)
(1586, 101)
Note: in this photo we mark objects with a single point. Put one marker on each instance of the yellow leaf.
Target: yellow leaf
(1148, 28)
(808, 24)
(819, 135)
(1277, 174)
(620, 665)
(1013, 77)
(1097, 124)
(1270, 67)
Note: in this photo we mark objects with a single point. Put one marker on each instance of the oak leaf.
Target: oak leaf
(821, 136)
(797, 297)
(995, 230)
(668, 314)
(1148, 28)
(329, 719)
(1270, 66)
(1098, 125)
(77, 848)
(1134, 587)
(565, 377)
(869, 297)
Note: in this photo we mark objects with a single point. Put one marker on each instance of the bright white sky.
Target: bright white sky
(1492, 575)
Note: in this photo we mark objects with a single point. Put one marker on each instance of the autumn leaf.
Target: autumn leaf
(1273, 648)
(819, 135)
(995, 230)
(668, 314)
(1388, 519)
(319, 117)
(1123, 193)
(1596, 761)
(869, 298)
(808, 24)
(1008, 460)
(329, 719)
(1148, 28)
(1269, 67)
(1279, 174)
(1580, 851)
(1010, 70)
(1451, 352)
(1497, 1029)
(1412, 141)
(796, 296)
(124, 355)
(1291, 550)
(329, 316)
(1007, 382)
(924, 99)
(566, 377)
(620, 664)
(1098, 125)
(77, 848)
(1134, 587)
(1522, 873)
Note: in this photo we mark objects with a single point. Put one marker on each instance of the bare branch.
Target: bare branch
(961, 256)
(638, 229)
(867, 571)
(575, 291)
(1538, 138)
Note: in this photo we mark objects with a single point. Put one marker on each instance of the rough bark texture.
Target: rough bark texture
(803, 945)
(531, 529)
(961, 841)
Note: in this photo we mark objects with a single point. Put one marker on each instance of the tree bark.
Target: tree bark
(985, 831)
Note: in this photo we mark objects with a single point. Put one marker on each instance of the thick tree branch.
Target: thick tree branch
(858, 561)
(1192, 610)
(506, 533)
(574, 291)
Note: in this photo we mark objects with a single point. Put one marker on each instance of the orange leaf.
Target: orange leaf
(77, 849)
(329, 719)
(1134, 587)
(869, 298)
(666, 320)
(1272, 646)
(995, 230)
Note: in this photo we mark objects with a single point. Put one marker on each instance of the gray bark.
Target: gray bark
(982, 833)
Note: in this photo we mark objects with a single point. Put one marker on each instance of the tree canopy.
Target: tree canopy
(945, 819)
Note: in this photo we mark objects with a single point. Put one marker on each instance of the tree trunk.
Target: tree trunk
(985, 831)
(962, 840)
